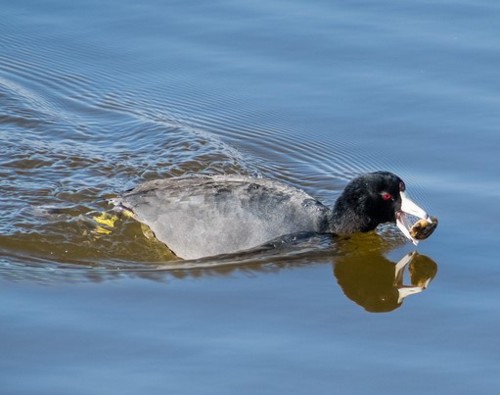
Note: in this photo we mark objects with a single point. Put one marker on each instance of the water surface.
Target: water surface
(96, 98)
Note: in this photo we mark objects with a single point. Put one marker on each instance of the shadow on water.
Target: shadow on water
(360, 267)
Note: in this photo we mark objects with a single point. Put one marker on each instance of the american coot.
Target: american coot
(203, 216)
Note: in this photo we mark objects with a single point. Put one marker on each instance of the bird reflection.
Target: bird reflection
(378, 284)
(360, 265)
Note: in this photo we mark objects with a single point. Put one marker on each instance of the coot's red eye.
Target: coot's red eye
(386, 196)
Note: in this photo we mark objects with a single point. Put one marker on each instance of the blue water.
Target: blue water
(96, 97)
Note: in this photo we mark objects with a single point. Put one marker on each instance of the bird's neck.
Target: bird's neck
(346, 217)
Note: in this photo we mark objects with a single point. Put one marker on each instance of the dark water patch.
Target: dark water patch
(147, 258)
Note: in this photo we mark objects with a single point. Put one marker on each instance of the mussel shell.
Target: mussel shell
(423, 228)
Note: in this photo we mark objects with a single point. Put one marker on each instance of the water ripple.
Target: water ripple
(68, 141)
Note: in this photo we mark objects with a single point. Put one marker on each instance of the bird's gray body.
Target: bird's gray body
(206, 216)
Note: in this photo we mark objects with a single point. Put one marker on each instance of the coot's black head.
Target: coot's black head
(372, 199)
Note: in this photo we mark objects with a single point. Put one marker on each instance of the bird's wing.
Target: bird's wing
(205, 216)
